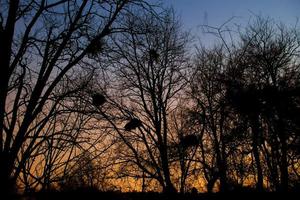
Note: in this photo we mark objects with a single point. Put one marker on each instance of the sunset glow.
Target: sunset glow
(149, 99)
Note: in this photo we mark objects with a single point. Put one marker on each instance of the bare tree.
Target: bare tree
(271, 59)
(41, 43)
(211, 112)
(150, 62)
(184, 144)
(258, 71)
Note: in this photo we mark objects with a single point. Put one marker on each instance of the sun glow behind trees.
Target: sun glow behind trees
(123, 104)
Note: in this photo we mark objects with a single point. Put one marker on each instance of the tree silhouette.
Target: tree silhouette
(266, 64)
(98, 99)
(42, 43)
(149, 62)
(133, 124)
(93, 91)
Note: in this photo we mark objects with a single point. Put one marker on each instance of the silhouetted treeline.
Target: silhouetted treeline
(248, 92)
(121, 101)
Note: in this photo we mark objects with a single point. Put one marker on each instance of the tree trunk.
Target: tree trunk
(6, 41)
(210, 184)
(221, 171)
(223, 176)
(284, 169)
(284, 176)
(169, 187)
(7, 185)
(255, 146)
(274, 163)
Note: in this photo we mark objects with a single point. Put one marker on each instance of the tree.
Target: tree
(256, 81)
(43, 42)
(185, 143)
(210, 112)
(150, 62)
(270, 63)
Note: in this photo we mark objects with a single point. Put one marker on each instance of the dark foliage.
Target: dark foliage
(189, 141)
(133, 124)
(95, 47)
(154, 56)
(98, 99)
(244, 98)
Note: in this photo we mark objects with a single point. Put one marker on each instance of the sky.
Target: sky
(194, 13)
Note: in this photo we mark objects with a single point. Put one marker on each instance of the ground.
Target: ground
(155, 196)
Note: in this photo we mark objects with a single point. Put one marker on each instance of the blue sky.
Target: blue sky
(215, 12)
